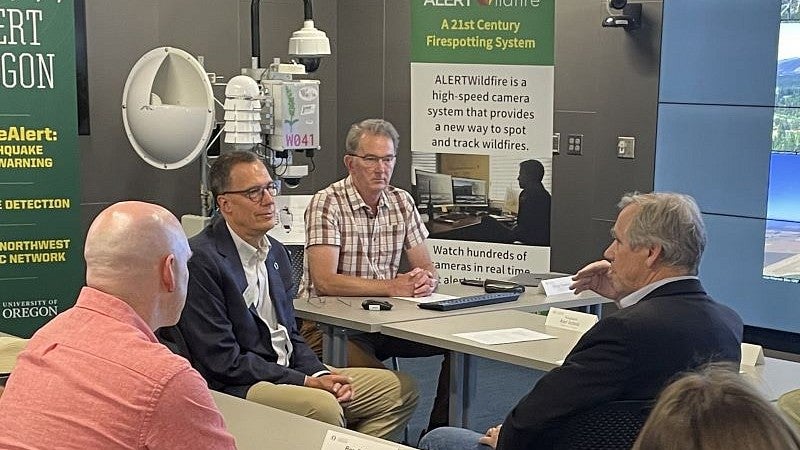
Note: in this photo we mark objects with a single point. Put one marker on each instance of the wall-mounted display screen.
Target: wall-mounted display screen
(782, 235)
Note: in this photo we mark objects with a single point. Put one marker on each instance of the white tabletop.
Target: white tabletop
(346, 312)
(541, 355)
(261, 427)
(775, 377)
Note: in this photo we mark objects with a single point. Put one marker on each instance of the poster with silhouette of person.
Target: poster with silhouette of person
(482, 124)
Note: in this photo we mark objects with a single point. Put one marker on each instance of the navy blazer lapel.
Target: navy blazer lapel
(227, 248)
(680, 287)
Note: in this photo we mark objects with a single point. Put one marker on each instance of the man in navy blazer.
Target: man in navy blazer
(238, 327)
(667, 324)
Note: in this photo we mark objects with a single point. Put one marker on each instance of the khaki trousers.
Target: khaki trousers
(382, 404)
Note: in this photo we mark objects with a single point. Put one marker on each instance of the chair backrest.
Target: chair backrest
(612, 426)
(296, 258)
(172, 338)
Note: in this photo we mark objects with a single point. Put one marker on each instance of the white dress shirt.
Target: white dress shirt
(257, 293)
(633, 298)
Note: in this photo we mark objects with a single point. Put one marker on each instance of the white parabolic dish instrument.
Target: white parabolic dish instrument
(168, 108)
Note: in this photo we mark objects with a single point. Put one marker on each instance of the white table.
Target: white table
(541, 355)
(339, 316)
(774, 378)
(259, 427)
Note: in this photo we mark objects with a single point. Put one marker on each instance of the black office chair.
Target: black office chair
(613, 426)
(172, 338)
(296, 258)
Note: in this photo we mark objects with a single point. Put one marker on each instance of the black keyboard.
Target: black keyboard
(472, 300)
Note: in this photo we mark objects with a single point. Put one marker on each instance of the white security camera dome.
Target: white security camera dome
(309, 41)
(241, 86)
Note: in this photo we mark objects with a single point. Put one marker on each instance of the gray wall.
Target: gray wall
(119, 32)
(374, 55)
(606, 86)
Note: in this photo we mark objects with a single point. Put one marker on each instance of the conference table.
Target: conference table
(339, 317)
(259, 427)
(541, 355)
(773, 378)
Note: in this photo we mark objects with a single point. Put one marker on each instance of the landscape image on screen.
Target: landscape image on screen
(782, 235)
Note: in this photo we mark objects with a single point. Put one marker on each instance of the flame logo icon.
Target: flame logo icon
(485, 2)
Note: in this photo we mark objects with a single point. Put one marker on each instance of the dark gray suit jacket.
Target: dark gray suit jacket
(630, 355)
(224, 339)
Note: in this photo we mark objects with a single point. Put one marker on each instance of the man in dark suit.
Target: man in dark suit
(667, 324)
(238, 328)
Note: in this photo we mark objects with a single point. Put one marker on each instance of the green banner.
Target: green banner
(518, 32)
(40, 238)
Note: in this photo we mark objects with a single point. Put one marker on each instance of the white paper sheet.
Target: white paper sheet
(433, 298)
(504, 336)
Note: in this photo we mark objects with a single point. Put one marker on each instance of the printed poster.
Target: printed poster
(482, 127)
(40, 239)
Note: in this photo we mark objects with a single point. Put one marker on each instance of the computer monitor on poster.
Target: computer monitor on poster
(470, 192)
(434, 188)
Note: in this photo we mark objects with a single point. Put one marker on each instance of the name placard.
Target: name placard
(570, 320)
(336, 440)
(557, 286)
(752, 354)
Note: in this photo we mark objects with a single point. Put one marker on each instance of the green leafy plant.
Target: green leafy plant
(290, 107)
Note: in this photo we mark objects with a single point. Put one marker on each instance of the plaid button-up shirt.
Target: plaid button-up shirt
(370, 245)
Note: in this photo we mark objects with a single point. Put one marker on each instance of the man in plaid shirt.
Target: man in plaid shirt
(356, 231)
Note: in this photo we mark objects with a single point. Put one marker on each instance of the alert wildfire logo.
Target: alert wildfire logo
(494, 3)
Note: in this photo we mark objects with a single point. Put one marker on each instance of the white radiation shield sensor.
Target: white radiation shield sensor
(168, 108)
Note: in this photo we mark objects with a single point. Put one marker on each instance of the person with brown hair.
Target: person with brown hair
(715, 408)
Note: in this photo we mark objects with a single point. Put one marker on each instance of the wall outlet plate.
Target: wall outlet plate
(625, 147)
(574, 144)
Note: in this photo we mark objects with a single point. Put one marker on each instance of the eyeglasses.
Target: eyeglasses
(256, 194)
(373, 161)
